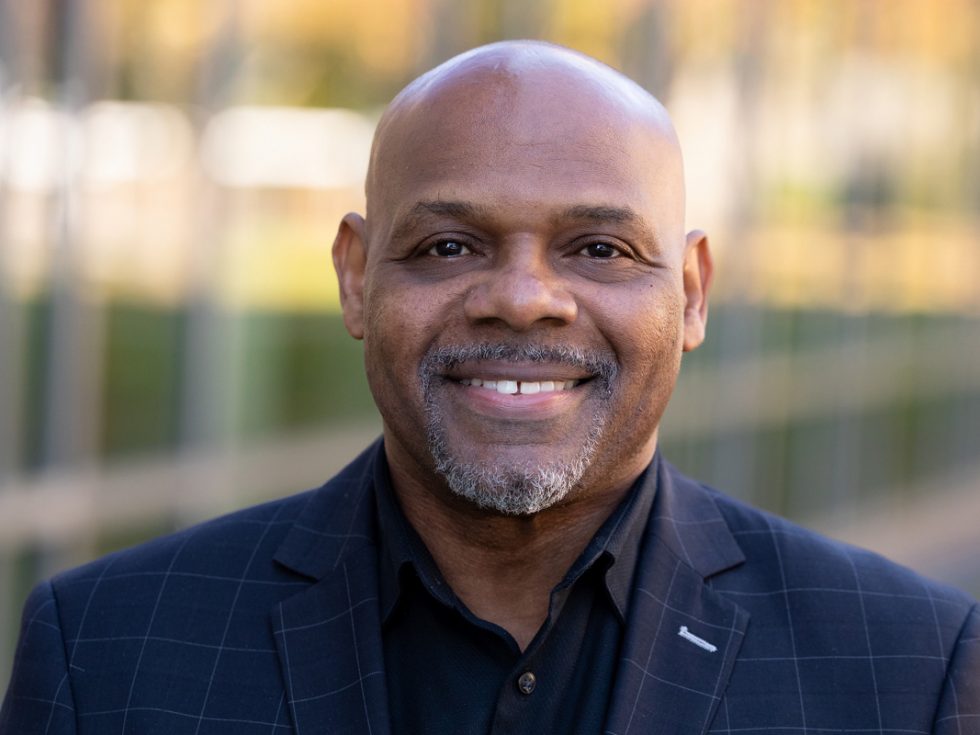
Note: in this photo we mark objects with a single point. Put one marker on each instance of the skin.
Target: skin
(527, 195)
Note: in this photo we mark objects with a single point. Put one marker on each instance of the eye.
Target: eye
(448, 249)
(601, 251)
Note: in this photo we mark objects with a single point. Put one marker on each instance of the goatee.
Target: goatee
(514, 489)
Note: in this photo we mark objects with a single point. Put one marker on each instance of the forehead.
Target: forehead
(538, 140)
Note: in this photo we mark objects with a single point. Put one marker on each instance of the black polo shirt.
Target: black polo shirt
(450, 672)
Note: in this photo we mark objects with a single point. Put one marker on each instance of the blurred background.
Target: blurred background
(171, 176)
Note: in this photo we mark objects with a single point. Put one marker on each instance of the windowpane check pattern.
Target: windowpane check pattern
(267, 621)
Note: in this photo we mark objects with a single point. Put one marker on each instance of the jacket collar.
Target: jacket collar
(686, 520)
(337, 520)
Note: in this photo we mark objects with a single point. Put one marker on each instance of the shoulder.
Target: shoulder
(202, 563)
(811, 594)
(116, 627)
(802, 559)
(241, 545)
(86, 632)
(231, 533)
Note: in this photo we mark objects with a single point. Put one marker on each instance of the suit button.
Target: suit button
(526, 682)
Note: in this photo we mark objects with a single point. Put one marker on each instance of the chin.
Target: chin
(513, 488)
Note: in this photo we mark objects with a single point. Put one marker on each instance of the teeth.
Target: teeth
(527, 388)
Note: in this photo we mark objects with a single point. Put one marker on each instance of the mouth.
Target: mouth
(516, 386)
(534, 396)
(519, 377)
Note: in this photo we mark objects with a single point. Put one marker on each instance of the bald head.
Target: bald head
(542, 68)
(513, 94)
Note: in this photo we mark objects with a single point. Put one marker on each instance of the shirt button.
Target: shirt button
(526, 682)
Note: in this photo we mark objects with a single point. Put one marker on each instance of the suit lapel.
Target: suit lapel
(329, 642)
(681, 637)
(329, 636)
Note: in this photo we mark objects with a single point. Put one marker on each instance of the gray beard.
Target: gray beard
(522, 489)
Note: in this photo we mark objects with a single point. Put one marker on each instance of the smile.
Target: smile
(520, 387)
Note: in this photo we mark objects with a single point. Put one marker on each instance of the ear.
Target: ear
(698, 269)
(349, 258)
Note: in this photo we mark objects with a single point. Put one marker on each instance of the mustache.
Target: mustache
(602, 365)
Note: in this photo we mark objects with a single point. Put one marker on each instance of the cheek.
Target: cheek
(400, 326)
(384, 347)
(649, 349)
(411, 315)
(646, 328)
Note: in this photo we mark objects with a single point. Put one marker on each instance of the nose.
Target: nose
(521, 290)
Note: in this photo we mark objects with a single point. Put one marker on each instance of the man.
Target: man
(514, 555)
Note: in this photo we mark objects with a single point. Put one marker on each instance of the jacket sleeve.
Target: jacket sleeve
(39, 698)
(959, 705)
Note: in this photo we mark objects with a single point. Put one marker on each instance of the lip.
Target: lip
(521, 372)
(490, 404)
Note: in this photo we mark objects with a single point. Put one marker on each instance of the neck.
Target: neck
(503, 568)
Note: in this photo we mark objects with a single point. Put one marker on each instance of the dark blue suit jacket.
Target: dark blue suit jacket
(266, 621)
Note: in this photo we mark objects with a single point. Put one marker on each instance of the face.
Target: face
(525, 290)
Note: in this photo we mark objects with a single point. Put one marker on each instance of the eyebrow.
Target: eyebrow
(597, 213)
(449, 209)
(601, 213)
(454, 209)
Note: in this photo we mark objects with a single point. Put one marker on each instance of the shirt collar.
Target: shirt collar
(402, 549)
(614, 548)
(622, 536)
